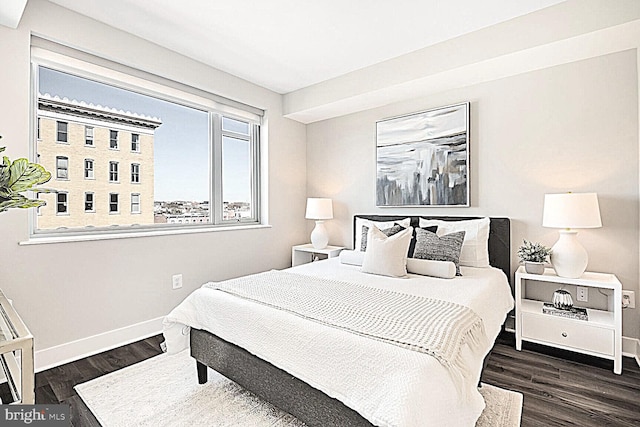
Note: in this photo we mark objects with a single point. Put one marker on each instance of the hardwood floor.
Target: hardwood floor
(559, 388)
(56, 385)
(562, 388)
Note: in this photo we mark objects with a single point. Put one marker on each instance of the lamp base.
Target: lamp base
(319, 236)
(568, 256)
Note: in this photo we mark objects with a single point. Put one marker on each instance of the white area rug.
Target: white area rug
(164, 391)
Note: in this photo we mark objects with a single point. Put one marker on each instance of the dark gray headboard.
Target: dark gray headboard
(499, 235)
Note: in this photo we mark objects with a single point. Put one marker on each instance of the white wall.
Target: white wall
(571, 127)
(71, 291)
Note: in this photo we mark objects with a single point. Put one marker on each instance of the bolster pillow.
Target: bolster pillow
(423, 267)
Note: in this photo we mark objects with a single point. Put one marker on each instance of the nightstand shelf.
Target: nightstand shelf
(599, 336)
(302, 254)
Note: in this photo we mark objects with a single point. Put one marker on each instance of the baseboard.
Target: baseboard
(74, 350)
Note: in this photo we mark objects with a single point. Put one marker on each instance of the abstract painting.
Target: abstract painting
(423, 158)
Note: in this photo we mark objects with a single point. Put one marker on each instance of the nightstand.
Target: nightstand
(599, 336)
(302, 254)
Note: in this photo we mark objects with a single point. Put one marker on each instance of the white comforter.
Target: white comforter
(387, 384)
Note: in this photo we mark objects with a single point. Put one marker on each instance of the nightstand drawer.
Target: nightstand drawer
(568, 333)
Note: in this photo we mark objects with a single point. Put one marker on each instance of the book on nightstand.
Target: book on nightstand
(572, 313)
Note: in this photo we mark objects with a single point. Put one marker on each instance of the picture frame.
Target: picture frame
(422, 158)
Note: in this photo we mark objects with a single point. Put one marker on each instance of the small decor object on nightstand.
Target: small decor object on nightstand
(534, 255)
(572, 313)
(562, 300)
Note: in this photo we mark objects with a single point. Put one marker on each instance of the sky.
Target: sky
(181, 148)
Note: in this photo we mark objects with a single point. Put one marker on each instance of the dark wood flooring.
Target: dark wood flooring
(559, 388)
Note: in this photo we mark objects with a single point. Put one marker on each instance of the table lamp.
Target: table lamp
(570, 211)
(319, 209)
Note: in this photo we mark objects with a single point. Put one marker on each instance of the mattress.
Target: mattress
(386, 384)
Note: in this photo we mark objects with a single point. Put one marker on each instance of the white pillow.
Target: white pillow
(475, 248)
(352, 257)
(406, 222)
(428, 267)
(387, 256)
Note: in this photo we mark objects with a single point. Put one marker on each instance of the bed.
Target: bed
(327, 376)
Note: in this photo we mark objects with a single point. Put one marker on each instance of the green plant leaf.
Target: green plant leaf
(25, 175)
(4, 171)
(20, 201)
(21, 175)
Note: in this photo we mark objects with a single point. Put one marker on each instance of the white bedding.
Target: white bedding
(388, 385)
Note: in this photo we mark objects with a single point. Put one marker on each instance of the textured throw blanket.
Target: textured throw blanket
(427, 325)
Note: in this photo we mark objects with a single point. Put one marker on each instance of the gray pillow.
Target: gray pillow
(387, 231)
(444, 248)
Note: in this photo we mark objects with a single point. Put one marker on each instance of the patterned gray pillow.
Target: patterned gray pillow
(439, 248)
(387, 231)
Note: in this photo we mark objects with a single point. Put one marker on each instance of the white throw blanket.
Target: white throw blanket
(435, 327)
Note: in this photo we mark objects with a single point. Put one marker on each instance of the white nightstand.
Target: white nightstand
(599, 336)
(302, 254)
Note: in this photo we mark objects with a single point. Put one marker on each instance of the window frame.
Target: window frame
(59, 168)
(93, 202)
(136, 173)
(64, 132)
(65, 203)
(114, 172)
(135, 145)
(139, 204)
(92, 169)
(46, 53)
(88, 136)
(117, 202)
(114, 143)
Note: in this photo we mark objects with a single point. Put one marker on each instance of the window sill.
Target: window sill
(91, 237)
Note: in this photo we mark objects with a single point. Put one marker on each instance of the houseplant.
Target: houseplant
(17, 177)
(534, 255)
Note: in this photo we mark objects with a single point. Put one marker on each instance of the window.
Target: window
(113, 203)
(201, 160)
(135, 173)
(113, 139)
(113, 171)
(88, 202)
(88, 169)
(61, 205)
(38, 129)
(135, 203)
(62, 167)
(135, 142)
(61, 130)
(88, 135)
(237, 167)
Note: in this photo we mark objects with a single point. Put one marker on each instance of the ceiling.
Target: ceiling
(286, 45)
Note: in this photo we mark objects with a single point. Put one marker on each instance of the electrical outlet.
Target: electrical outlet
(176, 280)
(582, 294)
(629, 299)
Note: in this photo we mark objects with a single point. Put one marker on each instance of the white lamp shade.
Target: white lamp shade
(571, 210)
(319, 208)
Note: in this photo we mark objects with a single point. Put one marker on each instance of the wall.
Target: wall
(571, 127)
(67, 292)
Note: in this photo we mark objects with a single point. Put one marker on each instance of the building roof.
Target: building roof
(82, 109)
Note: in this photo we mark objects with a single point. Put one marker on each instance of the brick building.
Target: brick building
(101, 162)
